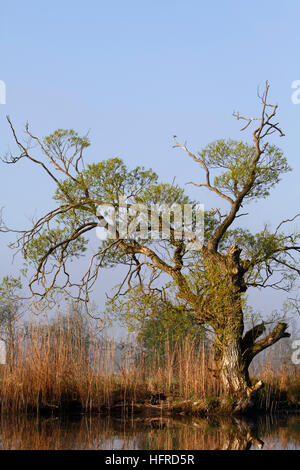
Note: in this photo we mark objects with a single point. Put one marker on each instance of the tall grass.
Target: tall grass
(61, 365)
(280, 376)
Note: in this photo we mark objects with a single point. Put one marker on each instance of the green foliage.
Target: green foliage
(107, 181)
(9, 288)
(156, 322)
(65, 144)
(163, 194)
(39, 246)
(261, 249)
(171, 326)
(9, 301)
(234, 160)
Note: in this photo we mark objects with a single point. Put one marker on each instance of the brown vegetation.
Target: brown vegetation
(58, 368)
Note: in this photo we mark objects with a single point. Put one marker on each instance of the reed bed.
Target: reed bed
(62, 365)
(280, 375)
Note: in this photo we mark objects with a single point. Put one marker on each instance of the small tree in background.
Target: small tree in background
(10, 313)
(156, 323)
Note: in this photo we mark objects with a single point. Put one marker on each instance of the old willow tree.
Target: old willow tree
(210, 282)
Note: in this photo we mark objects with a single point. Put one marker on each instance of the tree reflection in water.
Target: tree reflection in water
(148, 433)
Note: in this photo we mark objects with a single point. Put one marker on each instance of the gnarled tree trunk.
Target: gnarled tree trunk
(234, 351)
(234, 375)
(233, 372)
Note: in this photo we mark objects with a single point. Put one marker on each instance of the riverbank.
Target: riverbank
(153, 406)
(53, 367)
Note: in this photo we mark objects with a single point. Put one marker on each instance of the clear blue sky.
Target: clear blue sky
(137, 72)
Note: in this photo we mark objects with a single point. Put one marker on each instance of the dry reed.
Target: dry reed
(57, 366)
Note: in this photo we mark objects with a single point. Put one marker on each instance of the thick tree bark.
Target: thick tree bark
(234, 359)
(234, 374)
(234, 351)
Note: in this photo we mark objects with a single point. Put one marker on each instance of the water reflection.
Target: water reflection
(156, 433)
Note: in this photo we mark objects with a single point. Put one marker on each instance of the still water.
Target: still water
(103, 433)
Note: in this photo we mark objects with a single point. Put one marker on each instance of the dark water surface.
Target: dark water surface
(98, 432)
